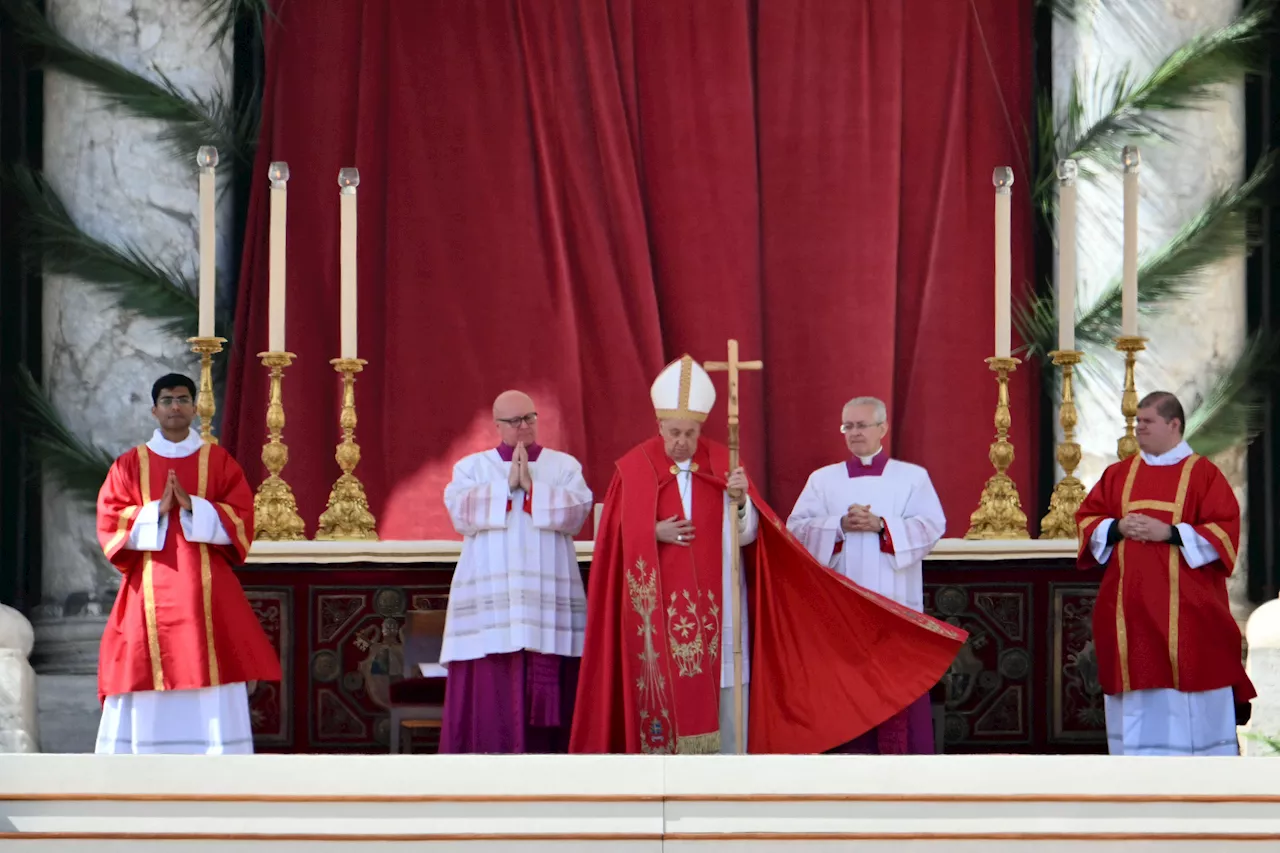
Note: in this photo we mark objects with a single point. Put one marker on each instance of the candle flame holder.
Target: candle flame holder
(1068, 494)
(999, 514)
(275, 510)
(206, 408)
(347, 517)
(1130, 345)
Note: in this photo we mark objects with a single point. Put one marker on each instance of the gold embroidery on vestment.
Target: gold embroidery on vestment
(206, 572)
(122, 531)
(148, 579)
(651, 686)
(1175, 566)
(1122, 634)
(691, 634)
(1228, 553)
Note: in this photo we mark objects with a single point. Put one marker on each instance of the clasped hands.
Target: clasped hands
(1144, 528)
(520, 477)
(174, 493)
(679, 531)
(860, 519)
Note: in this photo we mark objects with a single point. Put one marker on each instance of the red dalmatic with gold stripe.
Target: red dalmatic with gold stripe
(1158, 623)
(181, 619)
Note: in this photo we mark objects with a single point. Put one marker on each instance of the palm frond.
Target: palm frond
(193, 120)
(1233, 410)
(1127, 109)
(1271, 741)
(140, 284)
(1218, 231)
(223, 15)
(78, 467)
(1066, 10)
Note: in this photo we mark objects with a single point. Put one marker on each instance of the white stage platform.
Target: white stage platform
(958, 804)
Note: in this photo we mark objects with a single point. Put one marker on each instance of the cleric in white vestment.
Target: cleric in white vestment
(517, 609)
(874, 519)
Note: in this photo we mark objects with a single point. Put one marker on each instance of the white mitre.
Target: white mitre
(683, 390)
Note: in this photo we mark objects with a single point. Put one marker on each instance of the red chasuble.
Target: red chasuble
(830, 659)
(1158, 623)
(181, 620)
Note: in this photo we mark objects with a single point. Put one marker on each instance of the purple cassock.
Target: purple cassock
(517, 702)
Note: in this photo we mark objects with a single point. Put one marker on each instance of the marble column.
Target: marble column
(1192, 340)
(122, 185)
(1263, 637)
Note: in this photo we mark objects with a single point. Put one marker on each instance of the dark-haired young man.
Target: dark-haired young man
(1166, 525)
(174, 515)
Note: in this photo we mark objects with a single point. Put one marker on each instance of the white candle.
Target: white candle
(279, 176)
(1067, 172)
(207, 160)
(1129, 280)
(1003, 180)
(348, 179)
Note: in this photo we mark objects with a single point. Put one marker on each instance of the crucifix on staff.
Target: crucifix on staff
(732, 366)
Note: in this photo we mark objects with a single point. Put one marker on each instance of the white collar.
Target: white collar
(866, 460)
(1172, 457)
(162, 446)
(685, 465)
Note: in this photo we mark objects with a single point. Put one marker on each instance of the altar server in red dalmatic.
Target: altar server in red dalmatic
(1166, 525)
(825, 660)
(174, 515)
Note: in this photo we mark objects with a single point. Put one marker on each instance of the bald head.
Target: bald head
(516, 418)
(512, 403)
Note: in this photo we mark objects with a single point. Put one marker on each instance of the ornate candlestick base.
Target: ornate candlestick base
(999, 514)
(347, 515)
(1130, 345)
(275, 511)
(1060, 522)
(205, 407)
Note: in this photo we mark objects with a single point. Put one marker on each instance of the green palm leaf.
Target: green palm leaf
(1232, 412)
(140, 284)
(191, 120)
(79, 467)
(223, 15)
(1129, 109)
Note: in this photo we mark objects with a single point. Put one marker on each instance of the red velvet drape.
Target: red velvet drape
(562, 195)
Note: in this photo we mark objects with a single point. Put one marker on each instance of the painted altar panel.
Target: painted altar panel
(1024, 683)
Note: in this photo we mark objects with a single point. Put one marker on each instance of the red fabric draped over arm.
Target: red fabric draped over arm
(233, 499)
(119, 502)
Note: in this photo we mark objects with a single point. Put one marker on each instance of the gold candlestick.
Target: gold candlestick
(1130, 345)
(205, 407)
(275, 511)
(1060, 522)
(347, 515)
(999, 514)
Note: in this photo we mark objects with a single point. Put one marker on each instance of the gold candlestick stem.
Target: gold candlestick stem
(205, 406)
(999, 514)
(347, 515)
(1060, 522)
(1130, 345)
(275, 511)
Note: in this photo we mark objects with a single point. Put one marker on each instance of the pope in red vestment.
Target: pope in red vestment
(829, 660)
(181, 621)
(1166, 525)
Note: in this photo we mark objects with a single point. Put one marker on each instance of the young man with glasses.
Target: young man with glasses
(873, 519)
(517, 610)
(174, 516)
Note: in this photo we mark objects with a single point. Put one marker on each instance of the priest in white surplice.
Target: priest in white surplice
(874, 519)
(517, 610)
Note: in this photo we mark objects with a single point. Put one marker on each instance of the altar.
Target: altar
(1024, 683)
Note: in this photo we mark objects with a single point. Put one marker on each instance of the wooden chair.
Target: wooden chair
(417, 700)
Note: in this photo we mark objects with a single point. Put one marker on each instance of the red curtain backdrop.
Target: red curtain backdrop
(563, 195)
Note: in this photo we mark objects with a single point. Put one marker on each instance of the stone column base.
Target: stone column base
(19, 730)
(66, 659)
(1263, 636)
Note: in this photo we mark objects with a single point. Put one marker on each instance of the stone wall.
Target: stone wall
(1192, 340)
(121, 184)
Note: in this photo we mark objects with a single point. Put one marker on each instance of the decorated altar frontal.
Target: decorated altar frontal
(336, 612)
(958, 804)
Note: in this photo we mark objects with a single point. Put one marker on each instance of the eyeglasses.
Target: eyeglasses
(528, 420)
(166, 402)
(847, 428)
